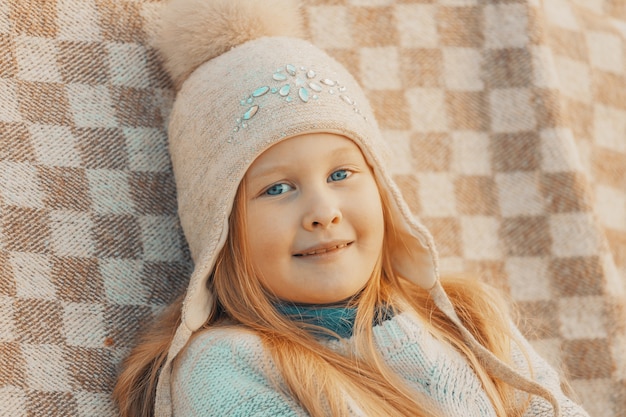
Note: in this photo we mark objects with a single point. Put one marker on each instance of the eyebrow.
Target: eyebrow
(336, 155)
(348, 150)
(274, 169)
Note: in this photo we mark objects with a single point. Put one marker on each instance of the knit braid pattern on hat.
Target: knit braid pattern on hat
(195, 31)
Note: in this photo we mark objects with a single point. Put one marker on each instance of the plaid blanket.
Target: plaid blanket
(508, 126)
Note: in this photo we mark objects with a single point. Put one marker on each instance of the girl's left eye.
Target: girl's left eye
(339, 175)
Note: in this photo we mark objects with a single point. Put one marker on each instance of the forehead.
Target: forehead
(323, 146)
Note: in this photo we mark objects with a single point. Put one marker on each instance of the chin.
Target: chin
(336, 297)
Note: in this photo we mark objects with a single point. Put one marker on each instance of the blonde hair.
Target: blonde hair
(316, 376)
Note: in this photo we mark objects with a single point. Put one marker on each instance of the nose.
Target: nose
(321, 211)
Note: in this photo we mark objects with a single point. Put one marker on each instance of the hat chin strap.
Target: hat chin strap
(163, 398)
(492, 364)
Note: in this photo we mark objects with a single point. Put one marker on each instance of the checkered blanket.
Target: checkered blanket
(508, 123)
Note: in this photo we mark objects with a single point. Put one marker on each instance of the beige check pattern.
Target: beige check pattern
(508, 124)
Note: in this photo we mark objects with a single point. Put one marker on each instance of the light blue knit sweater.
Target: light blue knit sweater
(226, 372)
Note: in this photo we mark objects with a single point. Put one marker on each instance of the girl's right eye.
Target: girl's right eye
(278, 189)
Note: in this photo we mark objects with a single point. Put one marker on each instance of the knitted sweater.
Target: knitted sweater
(227, 372)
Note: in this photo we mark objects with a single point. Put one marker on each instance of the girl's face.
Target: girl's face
(314, 219)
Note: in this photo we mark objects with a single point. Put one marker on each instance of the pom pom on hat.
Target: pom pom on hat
(195, 31)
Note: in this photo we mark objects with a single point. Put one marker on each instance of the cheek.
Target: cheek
(377, 226)
(255, 232)
(371, 211)
(265, 233)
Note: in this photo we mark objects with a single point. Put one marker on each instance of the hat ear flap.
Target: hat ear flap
(412, 260)
(410, 245)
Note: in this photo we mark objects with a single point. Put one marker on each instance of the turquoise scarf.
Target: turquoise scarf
(339, 320)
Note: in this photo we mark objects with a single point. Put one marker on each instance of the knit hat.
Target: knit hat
(246, 82)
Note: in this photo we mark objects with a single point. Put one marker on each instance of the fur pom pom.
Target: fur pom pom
(195, 31)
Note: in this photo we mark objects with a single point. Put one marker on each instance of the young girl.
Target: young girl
(315, 291)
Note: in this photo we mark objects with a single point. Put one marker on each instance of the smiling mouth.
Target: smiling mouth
(324, 250)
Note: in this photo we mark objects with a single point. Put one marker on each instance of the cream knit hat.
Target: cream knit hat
(246, 84)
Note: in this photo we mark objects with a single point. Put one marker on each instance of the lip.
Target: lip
(323, 248)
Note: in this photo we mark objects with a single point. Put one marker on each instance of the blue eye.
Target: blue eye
(339, 175)
(278, 189)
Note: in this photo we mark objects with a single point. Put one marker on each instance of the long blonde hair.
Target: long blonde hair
(317, 377)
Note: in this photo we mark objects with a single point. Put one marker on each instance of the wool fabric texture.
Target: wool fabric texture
(429, 366)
